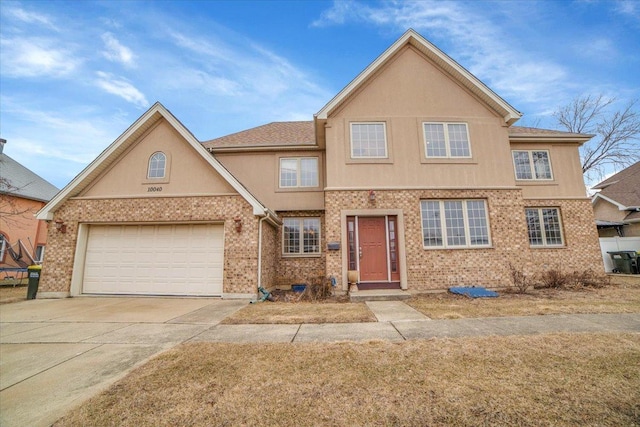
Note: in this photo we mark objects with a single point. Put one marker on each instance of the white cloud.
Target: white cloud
(241, 68)
(31, 17)
(115, 51)
(121, 87)
(35, 57)
(475, 40)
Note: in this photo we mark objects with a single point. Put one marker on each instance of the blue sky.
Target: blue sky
(75, 74)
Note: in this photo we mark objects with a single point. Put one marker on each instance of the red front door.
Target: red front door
(372, 236)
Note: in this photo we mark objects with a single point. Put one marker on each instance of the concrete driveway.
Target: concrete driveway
(56, 353)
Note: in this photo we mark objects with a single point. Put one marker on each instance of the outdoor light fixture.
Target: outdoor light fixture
(238, 224)
(372, 196)
(60, 226)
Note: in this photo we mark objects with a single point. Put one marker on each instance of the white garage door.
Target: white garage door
(154, 259)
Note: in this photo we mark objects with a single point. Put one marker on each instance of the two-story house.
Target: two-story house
(412, 177)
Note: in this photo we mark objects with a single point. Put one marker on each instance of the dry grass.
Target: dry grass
(609, 299)
(9, 294)
(560, 379)
(301, 312)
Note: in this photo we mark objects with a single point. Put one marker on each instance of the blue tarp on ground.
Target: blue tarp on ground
(474, 292)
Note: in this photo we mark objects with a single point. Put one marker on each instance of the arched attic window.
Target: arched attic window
(157, 165)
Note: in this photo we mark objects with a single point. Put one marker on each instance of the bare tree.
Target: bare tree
(10, 211)
(617, 133)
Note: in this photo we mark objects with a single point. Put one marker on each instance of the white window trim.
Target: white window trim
(3, 247)
(531, 165)
(544, 234)
(446, 140)
(164, 169)
(386, 143)
(299, 173)
(303, 254)
(443, 225)
(41, 258)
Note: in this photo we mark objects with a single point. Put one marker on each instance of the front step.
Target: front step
(379, 295)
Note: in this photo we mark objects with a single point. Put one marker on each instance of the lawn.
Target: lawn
(608, 299)
(443, 305)
(10, 293)
(557, 379)
(301, 312)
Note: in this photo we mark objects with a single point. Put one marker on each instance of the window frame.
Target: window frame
(299, 172)
(300, 222)
(4, 241)
(543, 227)
(465, 222)
(164, 168)
(384, 133)
(532, 167)
(40, 249)
(447, 140)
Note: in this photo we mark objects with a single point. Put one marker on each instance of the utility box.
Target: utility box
(33, 271)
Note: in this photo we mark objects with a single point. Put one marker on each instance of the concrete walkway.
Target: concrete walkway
(56, 353)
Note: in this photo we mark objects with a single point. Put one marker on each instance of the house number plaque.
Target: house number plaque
(154, 189)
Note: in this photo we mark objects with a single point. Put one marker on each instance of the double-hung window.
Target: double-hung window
(301, 236)
(369, 141)
(532, 165)
(299, 172)
(454, 223)
(544, 226)
(446, 140)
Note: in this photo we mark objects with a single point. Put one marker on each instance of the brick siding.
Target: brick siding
(240, 249)
(430, 269)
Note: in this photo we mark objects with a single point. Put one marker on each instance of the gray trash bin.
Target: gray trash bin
(624, 261)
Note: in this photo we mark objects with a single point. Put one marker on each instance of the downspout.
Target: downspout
(260, 249)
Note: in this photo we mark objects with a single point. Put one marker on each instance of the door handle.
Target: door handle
(360, 251)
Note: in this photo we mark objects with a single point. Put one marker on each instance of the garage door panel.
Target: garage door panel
(154, 259)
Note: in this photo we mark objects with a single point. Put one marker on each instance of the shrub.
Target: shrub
(520, 281)
(318, 289)
(556, 279)
(589, 279)
(552, 279)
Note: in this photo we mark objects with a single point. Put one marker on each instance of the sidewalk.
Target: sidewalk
(56, 353)
(399, 322)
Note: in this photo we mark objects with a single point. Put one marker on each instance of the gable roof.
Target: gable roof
(621, 189)
(124, 141)
(270, 135)
(455, 70)
(21, 182)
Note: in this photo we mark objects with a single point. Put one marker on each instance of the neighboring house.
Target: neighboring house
(617, 205)
(412, 176)
(22, 194)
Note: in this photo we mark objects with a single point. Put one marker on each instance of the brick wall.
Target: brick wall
(429, 269)
(241, 249)
(269, 255)
(294, 269)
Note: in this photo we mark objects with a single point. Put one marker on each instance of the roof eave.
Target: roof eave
(550, 138)
(112, 152)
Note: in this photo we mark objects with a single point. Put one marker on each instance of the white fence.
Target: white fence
(610, 244)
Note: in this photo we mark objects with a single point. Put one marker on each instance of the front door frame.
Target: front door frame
(400, 240)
